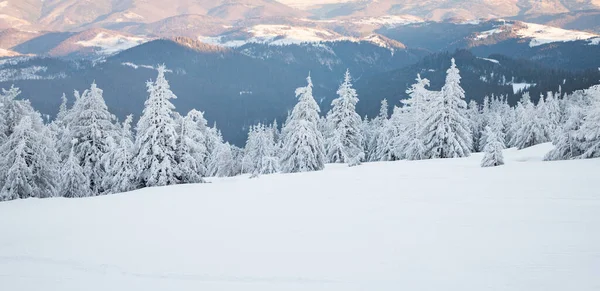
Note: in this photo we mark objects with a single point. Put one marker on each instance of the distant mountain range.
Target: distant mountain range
(255, 82)
(240, 60)
(160, 17)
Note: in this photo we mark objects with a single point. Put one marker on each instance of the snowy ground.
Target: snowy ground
(428, 225)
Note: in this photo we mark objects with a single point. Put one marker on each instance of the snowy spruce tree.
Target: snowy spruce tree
(302, 144)
(344, 142)
(568, 142)
(416, 107)
(73, 183)
(120, 173)
(530, 127)
(590, 129)
(29, 162)
(16, 163)
(191, 149)
(376, 128)
(493, 149)
(447, 132)
(262, 151)
(92, 125)
(155, 157)
(221, 161)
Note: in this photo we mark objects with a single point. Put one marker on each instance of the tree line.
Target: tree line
(86, 151)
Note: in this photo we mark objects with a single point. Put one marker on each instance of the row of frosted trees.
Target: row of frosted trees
(86, 152)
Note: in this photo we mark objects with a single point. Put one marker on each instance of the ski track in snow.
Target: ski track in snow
(409, 225)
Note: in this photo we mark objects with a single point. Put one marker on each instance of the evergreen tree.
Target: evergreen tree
(74, 183)
(303, 146)
(568, 143)
(13, 110)
(28, 165)
(15, 163)
(476, 121)
(493, 149)
(590, 129)
(121, 175)
(155, 156)
(221, 162)
(261, 152)
(192, 151)
(416, 107)
(376, 127)
(92, 125)
(530, 128)
(446, 128)
(344, 143)
(554, 112)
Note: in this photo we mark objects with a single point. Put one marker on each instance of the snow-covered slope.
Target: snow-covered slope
(540, 34)
(110, 44)
(7, 53)
(278, 35)
(97, 42)
(425, 225)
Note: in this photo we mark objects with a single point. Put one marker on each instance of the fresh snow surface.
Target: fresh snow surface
(110, 44)
(408, 225)
(521, 87)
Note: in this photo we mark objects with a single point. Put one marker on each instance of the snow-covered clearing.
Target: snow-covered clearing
(110, 44)
(490, 60)
(542, 34)
(424, 225)
(521, 87)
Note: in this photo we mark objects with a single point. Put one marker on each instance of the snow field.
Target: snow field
(406, 225)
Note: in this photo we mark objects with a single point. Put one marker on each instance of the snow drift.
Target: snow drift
(422, 225)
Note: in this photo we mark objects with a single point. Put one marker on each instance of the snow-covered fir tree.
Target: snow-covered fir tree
(74, 183)
(590, 129)
(92, 125)
(155, 157)
(553, 112)
(261, 151)
(476, 122)
(447, 132)
(16, 163)
(568, 142)
(302, 142)
(344, 141)
(214, 139)
(530, 128)
(221, 161)
(120, 173)
(28, 161)
(493, 149)
(191, 149)
(13, 109)
(416, 107)
(376, 128)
